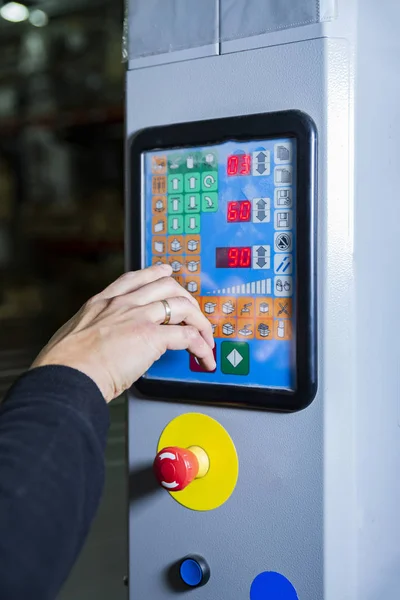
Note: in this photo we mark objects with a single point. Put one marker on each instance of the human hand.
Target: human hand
(118, 334)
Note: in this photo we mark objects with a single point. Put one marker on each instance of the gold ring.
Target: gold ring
(167, 312)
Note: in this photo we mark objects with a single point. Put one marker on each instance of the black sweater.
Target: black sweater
(53, 429)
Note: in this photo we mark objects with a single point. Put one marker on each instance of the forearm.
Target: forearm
(53, 428)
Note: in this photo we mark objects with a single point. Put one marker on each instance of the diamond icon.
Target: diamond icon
(235, 358)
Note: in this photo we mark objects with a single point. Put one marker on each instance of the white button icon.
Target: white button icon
(283, 198)
(283, 175)
(210, 158)
(261, 163)
(235, 358)
(283, 264)
(283, 286)
(192, 183)
(192, 203)
(283, 153)
(283, 219)
(159, 247)
(159, 226)
(175, 183)
(283, 242)
(261, 257)
(261, 210)
(209, 181)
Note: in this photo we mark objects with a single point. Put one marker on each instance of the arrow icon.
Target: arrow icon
(261, 162)
(209, 201)
(192, 183)
(175, 183)
(261, 213)
(261, 257)
(261, 168)
(192, 203)
(209, 181)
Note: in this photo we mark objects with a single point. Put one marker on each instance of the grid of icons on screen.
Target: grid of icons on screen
(183, 188)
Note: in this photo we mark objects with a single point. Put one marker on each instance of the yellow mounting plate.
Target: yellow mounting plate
(195, 429)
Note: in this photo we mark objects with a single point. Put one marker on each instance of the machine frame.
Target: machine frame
(290, 123)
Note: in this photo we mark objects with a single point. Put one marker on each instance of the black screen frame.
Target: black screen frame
(263, 126)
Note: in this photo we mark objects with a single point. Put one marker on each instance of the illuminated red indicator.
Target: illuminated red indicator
(239, 211)
(239, 164)
(233, 258)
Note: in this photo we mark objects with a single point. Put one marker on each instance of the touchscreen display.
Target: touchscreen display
(224, 216)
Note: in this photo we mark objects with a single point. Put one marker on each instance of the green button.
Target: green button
(192, 223)
(192, 161)
(175, 184)
(175, 224)
(176, 163)
(209, 202)
(175, 204)
(192, 203)
(192, 182)
(209, 181)
(209, 160)
(235, 358)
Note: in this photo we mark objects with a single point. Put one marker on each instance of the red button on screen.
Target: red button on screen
(195, 365)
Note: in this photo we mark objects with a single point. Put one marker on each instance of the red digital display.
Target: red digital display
(239, 164)
(239, 212)
(233, 258)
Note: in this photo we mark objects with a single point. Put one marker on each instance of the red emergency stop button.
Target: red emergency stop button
(175, 468)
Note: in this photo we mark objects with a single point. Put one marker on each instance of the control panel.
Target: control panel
(233, 217)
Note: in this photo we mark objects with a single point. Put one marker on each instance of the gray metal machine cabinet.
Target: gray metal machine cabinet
(262, 139)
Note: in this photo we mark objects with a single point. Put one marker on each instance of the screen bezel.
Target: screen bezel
(245, 128)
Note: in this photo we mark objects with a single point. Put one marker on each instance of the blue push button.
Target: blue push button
(273, 586)
(194, 571)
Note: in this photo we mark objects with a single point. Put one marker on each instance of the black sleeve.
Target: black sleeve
(53, 429)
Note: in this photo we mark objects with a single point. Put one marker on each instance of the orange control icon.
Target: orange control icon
(175, 468)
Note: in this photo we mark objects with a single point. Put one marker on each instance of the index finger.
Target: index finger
(175, 337)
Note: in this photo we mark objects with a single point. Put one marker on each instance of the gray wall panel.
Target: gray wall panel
(274, 520)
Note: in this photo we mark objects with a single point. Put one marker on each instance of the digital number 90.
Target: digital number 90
(239, 257)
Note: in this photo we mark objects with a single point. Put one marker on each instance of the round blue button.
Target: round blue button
(194, 571)
(272, 586)
(191, 572)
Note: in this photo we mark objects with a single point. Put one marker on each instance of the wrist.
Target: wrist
(101, 380)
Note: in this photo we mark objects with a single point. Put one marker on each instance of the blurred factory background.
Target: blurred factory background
(61, 211)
